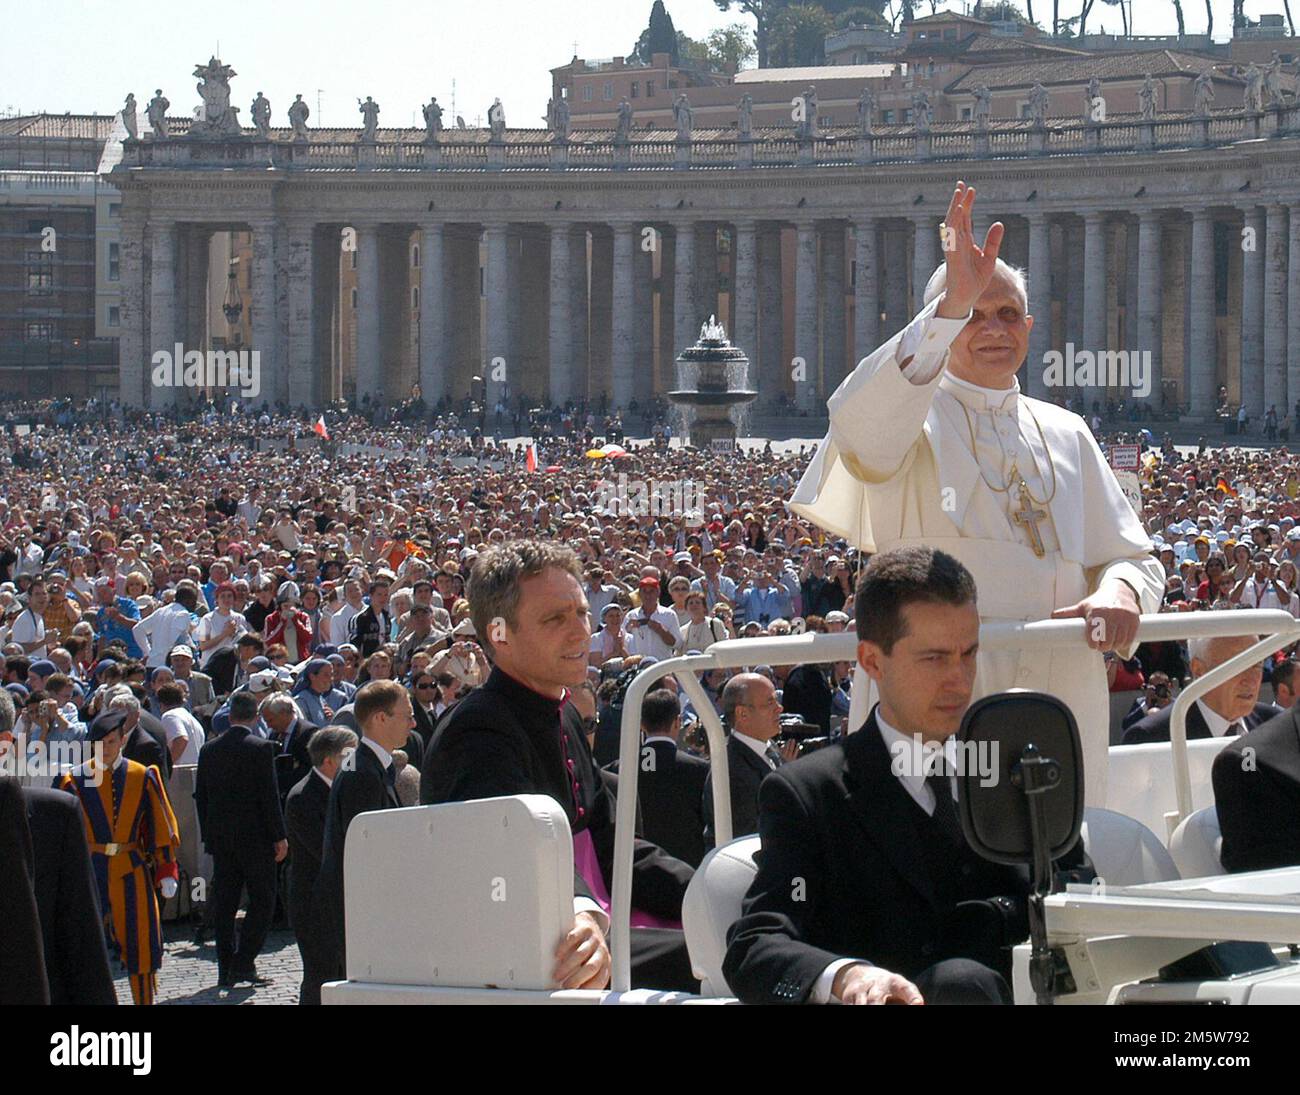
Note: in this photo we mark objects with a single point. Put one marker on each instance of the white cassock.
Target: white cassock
(897, 469)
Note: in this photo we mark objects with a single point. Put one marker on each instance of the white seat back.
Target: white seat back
(1124, 852)
(712, 905)
(1196, 844)
(1141, 782)
(466, 894)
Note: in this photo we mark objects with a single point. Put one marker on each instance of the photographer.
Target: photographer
(1158, 694)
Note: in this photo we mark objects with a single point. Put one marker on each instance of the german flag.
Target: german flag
(1226, 487)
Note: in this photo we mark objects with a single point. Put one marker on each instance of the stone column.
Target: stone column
(133, 368)
(162, 312)
(772, 369)
(1040, 302)
(561, 334)
(433, 313)
(602, 314)
(1149, 293)
(1202, 354)
(369, 365)
(744, 294)
(686, 324)
(1275, 317)
(623, 349)
(1252, 316)
(279, 391)
(897, 249)
(196, 290)
(833, 305)
(302, 343)
(866, 289)
(925, 256)
(495, 358)
(325, 296)
(706, 272)
(580, 315)
(263, 315)
(807, 374)
(1094, 287)
(1293, 311)
(643, 349)
(531, 348)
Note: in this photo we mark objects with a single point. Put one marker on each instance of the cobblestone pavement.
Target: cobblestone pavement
(189, 972)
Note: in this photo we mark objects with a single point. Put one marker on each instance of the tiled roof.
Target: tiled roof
(84, 126)
(1079, 70)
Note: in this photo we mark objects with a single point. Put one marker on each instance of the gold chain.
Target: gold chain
(1014, 469)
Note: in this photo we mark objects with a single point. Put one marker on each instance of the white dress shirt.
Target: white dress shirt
(161, 630)
(644, 640)
(1219, 726)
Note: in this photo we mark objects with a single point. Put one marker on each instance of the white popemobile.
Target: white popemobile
(494, 878)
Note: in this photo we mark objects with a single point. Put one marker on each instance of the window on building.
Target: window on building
(887, 117)
(354, 300)
(40, 273)
(649, 89)
(114, 316)
(965, 114)
(34, 227)
(114, 262)
(636, 89)
(931, 71)
(1024, 110)
(607, 91)
(40, 332)
(586, 94)
(906, 116)
(950, 35)
(415, 255)
(114, 210)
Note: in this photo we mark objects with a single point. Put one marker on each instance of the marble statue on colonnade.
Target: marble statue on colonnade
(1039, 100)
(1273, 81)
(298, 115)
(623, 127)
(1253, 93)
(1203, 93)
(219, 119)
(1147, 97)
(806, 128)
(682, 116)
(260, 112)
(745, 117)
(432, 121)
(497, 120)
(559, 119)
(370, 119)
(983, 106)
(156, 112)
(866, 112)
(128, 116)
(922, 112)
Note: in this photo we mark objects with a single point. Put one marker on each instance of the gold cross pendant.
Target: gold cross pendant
(1029, 517)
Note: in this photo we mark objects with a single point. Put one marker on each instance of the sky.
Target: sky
(83, 57)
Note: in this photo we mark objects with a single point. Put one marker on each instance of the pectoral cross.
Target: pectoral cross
(1029, 517)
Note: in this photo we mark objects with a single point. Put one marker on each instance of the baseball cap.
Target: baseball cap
(264, 680)
(682, 557)
(648, 583)
(181, 650)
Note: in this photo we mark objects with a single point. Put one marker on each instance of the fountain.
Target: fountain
(713, 397)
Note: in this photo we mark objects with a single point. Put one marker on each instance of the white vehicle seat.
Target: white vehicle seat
(1141, 783)
(1124, 852)
(1196, 844)
(712, 905)
(464, 874)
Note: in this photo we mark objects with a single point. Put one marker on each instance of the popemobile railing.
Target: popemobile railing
(1277, 628)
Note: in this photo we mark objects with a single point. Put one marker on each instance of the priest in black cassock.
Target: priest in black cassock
(518, 734)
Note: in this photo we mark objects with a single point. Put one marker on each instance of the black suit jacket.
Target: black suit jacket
(236, 794)
(505, 739)
(22, 953)
(807, 693)
(145, 748)
(304, 818)
(76, 960)
(293, 764)
(745, 774)
(670, 797)
(358, 789)
(1259, 804)
(843, 825)
(1155, 727)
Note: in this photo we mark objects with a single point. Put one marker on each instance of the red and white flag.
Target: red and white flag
(530, 458)
(320, 429)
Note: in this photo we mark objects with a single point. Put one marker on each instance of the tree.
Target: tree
(1056, 17)
(730, 46)
(1209, 19)
(1239, 19)
(1029, 10)
(861, 17)
(1123, 11)
(763, 12)
(660, 36)
(688, 49)
(1286, 4)
(797, 35)
(1006, 12)
(1083, 17)
(1178, 11)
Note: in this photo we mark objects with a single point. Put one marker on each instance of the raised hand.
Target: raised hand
(970, 266)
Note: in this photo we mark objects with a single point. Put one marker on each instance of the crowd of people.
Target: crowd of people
(244, 595)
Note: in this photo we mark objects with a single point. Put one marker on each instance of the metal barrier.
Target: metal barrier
(1279, 628)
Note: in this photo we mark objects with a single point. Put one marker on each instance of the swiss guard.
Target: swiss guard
(133, 840)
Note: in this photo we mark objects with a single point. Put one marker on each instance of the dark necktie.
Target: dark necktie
(773, 755)
(945, 810)
(390, 777)
(1234, 728)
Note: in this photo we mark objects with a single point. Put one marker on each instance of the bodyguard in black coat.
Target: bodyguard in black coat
(1258, 796)
(145, 747)
(76, 959)
(364, 784)
(746, 771)
(22, 953)
(807, 693)
(670, 782)
(238, 804)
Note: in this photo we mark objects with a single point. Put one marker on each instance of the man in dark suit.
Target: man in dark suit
(670, 785)
(517, 734)
(22, 954)
(238, 806)
(807, 693)
(291, 736)
(304, 817)
(752, 713)
(366, 782)
(371, 626)
(866, 890)
(1231, 709)
(1257, 795)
